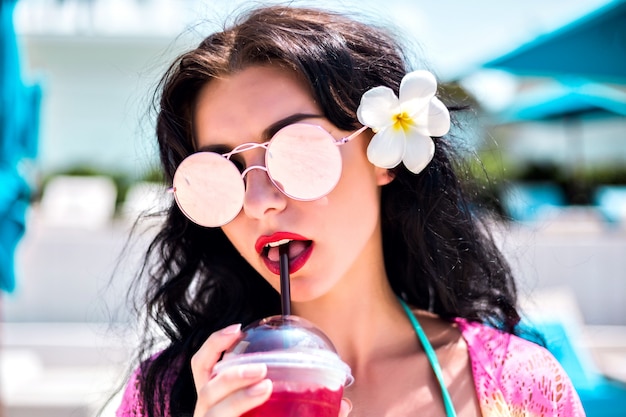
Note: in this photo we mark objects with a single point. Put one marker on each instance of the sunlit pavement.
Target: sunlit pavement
(62, 369)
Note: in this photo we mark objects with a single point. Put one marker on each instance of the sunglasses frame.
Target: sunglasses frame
(188, 205)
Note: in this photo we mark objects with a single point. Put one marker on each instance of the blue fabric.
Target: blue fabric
(611, 201)
(19, 108)
(526, 201)
(13, 204)
(600, 396)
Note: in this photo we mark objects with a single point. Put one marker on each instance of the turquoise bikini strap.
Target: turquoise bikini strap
(432, 358)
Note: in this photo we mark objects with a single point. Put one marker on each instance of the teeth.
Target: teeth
(278, 243)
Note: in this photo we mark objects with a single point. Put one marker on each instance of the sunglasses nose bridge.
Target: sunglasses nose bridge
(261, 193)
(246, 171)
(263, 179)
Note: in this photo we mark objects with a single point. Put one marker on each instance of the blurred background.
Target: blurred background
(78, 164)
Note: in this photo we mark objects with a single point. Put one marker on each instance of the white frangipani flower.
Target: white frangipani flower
(404, 126)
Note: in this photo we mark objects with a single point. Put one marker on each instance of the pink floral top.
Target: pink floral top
(512, 376)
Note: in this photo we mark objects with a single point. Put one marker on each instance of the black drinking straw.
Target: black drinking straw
(285, 292)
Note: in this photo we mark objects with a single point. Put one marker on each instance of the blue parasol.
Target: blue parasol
(567, 99)
(593, 46)
(19, 109)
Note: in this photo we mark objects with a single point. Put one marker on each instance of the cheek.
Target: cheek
(357, 169)
(358, 185)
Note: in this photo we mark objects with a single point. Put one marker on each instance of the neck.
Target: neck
(361, 314)
(365, 321)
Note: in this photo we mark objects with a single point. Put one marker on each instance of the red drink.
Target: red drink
(288, 400)
(307, 374)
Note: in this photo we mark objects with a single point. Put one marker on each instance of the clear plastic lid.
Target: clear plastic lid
(287, 341)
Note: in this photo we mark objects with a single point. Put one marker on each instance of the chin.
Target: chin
(302, 292)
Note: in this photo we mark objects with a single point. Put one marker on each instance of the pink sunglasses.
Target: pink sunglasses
(302, 160)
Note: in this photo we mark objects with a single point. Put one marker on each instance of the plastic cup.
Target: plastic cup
(307, 374)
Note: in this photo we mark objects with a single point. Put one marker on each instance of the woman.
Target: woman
(388, 238)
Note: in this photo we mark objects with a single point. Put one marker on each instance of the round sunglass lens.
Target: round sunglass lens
(304, 161)
(208, 189)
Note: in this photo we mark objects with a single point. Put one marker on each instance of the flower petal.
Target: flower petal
(416, 91)
(404, 126)
(377, 108)
(386, 148)
(416, 108)
(419, 151)
(438, 118)
(417, 84)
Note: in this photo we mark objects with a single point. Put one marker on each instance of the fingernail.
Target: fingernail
(262, 388)
(232, 329)
(257, 370)
(346, 404)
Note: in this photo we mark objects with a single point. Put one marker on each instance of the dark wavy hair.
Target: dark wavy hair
(438, 254)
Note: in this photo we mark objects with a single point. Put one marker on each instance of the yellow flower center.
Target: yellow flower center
(402, 121)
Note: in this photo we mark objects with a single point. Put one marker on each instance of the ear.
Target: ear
(383, 176)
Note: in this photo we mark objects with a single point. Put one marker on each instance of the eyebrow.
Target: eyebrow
(267, 133)
(289, 120)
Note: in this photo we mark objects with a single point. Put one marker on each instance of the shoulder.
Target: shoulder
(440, 332)
(518, 373)
(132, 404)
(499, 351)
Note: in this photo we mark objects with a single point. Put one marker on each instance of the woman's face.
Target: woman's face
(332, 238)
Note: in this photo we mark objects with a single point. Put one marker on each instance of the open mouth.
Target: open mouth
(299, 251)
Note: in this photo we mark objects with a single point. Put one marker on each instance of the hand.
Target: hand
(233, 391)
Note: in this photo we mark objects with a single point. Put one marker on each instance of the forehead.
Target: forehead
(239, 107)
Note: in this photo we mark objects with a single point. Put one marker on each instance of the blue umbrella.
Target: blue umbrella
(569, 101)
(19, 108)
(593, 46)
(573, 99)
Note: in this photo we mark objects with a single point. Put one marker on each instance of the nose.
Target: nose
(261, 197)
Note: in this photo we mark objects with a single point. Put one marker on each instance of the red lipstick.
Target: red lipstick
(300, 250)
(262, 241)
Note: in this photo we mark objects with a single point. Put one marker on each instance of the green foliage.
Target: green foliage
(492, 171)
(154, 174)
